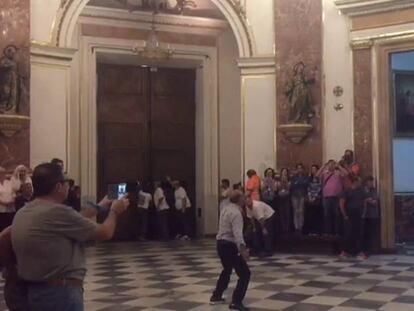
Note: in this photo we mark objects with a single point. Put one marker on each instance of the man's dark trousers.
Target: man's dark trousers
(230, 259)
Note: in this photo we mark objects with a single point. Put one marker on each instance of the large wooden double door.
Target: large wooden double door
(146, 125)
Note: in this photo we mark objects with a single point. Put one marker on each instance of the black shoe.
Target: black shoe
(216, 300)
(239, 307)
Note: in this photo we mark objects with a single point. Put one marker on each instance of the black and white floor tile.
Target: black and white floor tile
(181, 275)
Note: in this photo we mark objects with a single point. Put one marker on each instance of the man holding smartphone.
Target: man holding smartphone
(48, 241)
(232, 251)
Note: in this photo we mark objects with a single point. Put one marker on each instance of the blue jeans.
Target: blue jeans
(54, 298)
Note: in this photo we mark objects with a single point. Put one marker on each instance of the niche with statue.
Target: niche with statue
(12, 90)
(301, 111)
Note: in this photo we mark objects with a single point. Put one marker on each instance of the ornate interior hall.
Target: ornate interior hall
(305, 106)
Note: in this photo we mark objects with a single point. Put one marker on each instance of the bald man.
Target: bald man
(232, 251)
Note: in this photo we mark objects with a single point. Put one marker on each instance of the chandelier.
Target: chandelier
(153, 49)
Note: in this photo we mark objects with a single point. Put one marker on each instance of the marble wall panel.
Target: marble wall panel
(404, 218)
(299, 38)
(15, 31)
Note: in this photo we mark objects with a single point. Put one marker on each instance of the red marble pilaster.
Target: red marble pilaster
(299, 38)
(15, 30)
(363, 109)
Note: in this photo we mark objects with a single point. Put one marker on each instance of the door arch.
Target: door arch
(70, 10)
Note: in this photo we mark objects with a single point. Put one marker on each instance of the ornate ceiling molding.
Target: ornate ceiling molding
(366, 7)
(143, 20)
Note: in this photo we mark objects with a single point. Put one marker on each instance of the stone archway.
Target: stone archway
(70, 10)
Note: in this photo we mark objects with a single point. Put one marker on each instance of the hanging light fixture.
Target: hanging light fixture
(153, 49)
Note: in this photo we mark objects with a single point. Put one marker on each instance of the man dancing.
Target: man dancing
(232, 251)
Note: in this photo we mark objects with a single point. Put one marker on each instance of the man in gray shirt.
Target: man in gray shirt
(48, 240)
(232, 251)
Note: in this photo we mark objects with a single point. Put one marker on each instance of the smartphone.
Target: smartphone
(117, 191)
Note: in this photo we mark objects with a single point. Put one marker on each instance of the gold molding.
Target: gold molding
(388, 38)
(362, 44)
(367, 7)
(41, 43)
(14, 117)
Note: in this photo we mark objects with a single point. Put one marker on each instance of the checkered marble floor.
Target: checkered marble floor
(181, 275)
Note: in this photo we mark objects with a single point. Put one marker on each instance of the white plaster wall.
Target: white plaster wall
(48, 137)
(229, 108)
(258, 96)
(42, 17)
(262, 23)
(338, 127)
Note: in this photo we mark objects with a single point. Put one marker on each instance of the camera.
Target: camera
(117, 191)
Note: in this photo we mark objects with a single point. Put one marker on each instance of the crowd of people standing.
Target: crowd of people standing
(16, 189)
(333, 200)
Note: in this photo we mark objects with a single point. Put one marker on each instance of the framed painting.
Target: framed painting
(403, 103)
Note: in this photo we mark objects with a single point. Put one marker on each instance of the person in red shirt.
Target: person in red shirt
(354, 170)
(253, 185)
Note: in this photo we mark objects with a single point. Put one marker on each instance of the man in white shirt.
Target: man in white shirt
(182, 205)
(162, 208)
(265, 216)
(144, 201)
(233, 253)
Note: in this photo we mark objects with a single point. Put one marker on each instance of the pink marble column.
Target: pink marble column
(15, 31)
(363, 109)
(299, 38)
